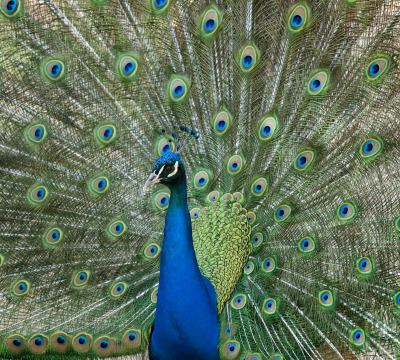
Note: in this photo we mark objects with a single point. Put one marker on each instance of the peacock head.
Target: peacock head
(167, 169)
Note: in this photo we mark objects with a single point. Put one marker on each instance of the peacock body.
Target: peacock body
(268, 132)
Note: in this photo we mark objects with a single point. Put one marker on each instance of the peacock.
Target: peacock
(200, 179)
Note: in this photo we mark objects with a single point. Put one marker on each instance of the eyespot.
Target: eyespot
(346, 212)
(213, 196)
(152, 251)
(21, 287)
(253, 357)
(377, 68)
(36, 133)
(53, 236)
(318, 83)
(210, 22)
(106, 134)
(259, 186)
(178, 89)
(397, 300)
(81, 278)
(304, 160)
(306, 245)
(326, 298)
(238, 197)
(227, 331)
(38, 343)
(82, 342)
(99, 185)
(118, 289)
(235, 164)
(267, 128)
(222, 122)
(60, 341)
(194, 213)
(397, 224)
(231, 349)
(16, 344)
(162, 200)
(249, 268)
(371, 148)
(239, 301)
(364, 266)
(10, 8)
(105, 346)
(270, 306)
(251, 217)
(282, 213)
(38, 194)
(154, 295)
(117, 228)
(357, 337)
(159, 6)
(132, 338)
(54, 70)
(249, 58)
(128, 67)
(200, 180)
(298, 18)
(165, 146)
(257, 239)
(268, 264)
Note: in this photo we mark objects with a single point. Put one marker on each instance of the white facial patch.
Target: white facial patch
(175, 170)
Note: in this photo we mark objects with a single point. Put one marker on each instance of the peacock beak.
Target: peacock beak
(154, 178)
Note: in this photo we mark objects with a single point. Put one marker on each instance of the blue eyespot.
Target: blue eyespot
(153, 249)
(266, 130)
(82, 276)
(221, 125)
(255, 239)
(258, 188)
(164, 200)
(280, 213)
(363, 264)
(368, 147)
(398, 299)
(166, 149)
(296, 21)
(55, 235)
(232, 348)
(56, 69)
(374, 69)
(238, 300)
(104, 344)
(325, 297)
(357, 335)
(267, 264)
(248, 61)
(11, 6)
(120, 288)
(178, 91)
(269, 304)
(107, 133)
(22, 287)
(132, 336)
(195, 215)
(315, 84)
(201, 181)
(61, 339)
(129, 68)
(301, 161)
(40, 193)
(17, 342)
(38, 132)
(118, 228)
(38, 341)
(234, 166)
(228, 330)
(101, 185)
(305, 244)
(210, 25)
(248, 266)
(160, 3)
(82, 340)
(213, 198)
(344, 210)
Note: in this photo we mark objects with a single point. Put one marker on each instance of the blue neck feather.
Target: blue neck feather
(186, 324)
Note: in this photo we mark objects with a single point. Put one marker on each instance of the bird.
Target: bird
(210, 179)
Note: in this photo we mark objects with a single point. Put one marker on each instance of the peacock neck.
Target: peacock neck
(183, 293)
